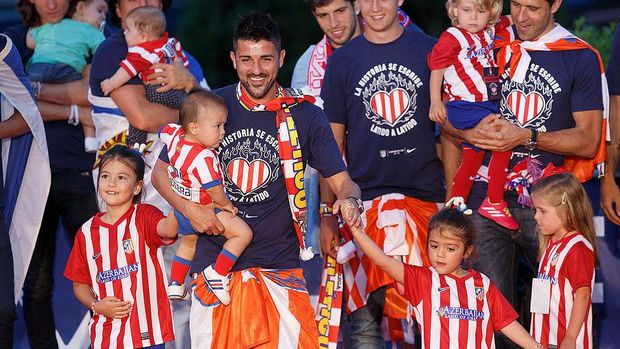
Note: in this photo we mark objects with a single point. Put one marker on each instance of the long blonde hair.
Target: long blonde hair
(564, 191)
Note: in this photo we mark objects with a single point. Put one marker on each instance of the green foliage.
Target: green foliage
(598, 37)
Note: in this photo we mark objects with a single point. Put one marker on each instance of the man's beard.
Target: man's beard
(257, 92)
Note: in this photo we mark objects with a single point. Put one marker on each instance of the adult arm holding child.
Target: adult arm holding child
(202, 217)
(497, 134)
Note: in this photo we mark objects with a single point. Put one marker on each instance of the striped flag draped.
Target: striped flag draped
(25, 162)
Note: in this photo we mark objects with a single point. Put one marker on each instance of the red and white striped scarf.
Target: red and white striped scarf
(289, 149)
(558, 39)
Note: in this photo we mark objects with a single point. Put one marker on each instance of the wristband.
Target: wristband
(326, 209)
(532, 143)
(92, 308)
(36, 88)
(74, 116)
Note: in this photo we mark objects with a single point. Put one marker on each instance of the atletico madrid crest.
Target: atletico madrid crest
(127, 246)
(479, 293)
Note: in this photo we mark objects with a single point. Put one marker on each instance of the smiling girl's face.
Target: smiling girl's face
(118, 184)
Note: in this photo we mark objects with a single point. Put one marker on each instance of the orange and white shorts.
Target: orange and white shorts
(269, 309)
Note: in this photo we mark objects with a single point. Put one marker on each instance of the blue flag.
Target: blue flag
(25, 162)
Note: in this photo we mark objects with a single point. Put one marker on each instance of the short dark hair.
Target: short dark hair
(165, 5)
(255, 27)
(199, 101)
(320, 3)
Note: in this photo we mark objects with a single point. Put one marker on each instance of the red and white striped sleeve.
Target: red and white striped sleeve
(417, 282)
(207, 168)
(579, 266)
(445, 52)
(148, 217)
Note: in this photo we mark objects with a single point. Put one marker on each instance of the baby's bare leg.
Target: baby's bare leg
(237, 233)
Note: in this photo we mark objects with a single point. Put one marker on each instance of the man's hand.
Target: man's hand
(329, 235)
(496, 134)
(113, 307)
(610, 198)
(437, 112)
(203, 218)
(172, 77)
(349, 211)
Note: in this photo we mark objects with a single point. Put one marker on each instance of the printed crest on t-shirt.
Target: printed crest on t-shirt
(250, 162)
(529, 104)
(389, 93)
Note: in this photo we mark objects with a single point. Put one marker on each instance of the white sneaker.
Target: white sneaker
(177, 292)
(217, 283)
(91, 145)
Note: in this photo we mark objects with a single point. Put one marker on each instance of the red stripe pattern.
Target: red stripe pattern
(456, 312)
(123, 260)
(248, 176)
(191, 165)
(464, 55)
(390, 106)
(550, 329)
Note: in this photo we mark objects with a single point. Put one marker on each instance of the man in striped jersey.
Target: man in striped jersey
(553, 109)
(376, 96)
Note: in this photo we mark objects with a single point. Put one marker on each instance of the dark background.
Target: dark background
(205, 27)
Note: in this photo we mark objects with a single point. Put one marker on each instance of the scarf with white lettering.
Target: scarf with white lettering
(558, 39)
(322, 51)
(289, 148)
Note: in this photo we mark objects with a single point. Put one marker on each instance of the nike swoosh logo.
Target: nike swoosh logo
(441, 289)
(97, 255)
(411, 150)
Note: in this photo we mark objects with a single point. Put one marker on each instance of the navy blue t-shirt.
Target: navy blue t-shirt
(613, 66)
(65, 143)
(1, 189)
(107, 60)
(557, 84)
(380, 93)
(254, 182)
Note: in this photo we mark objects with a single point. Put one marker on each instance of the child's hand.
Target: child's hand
(349, 212)
(113, 307)
(106, 87)
(437, 112)
(229, 207)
